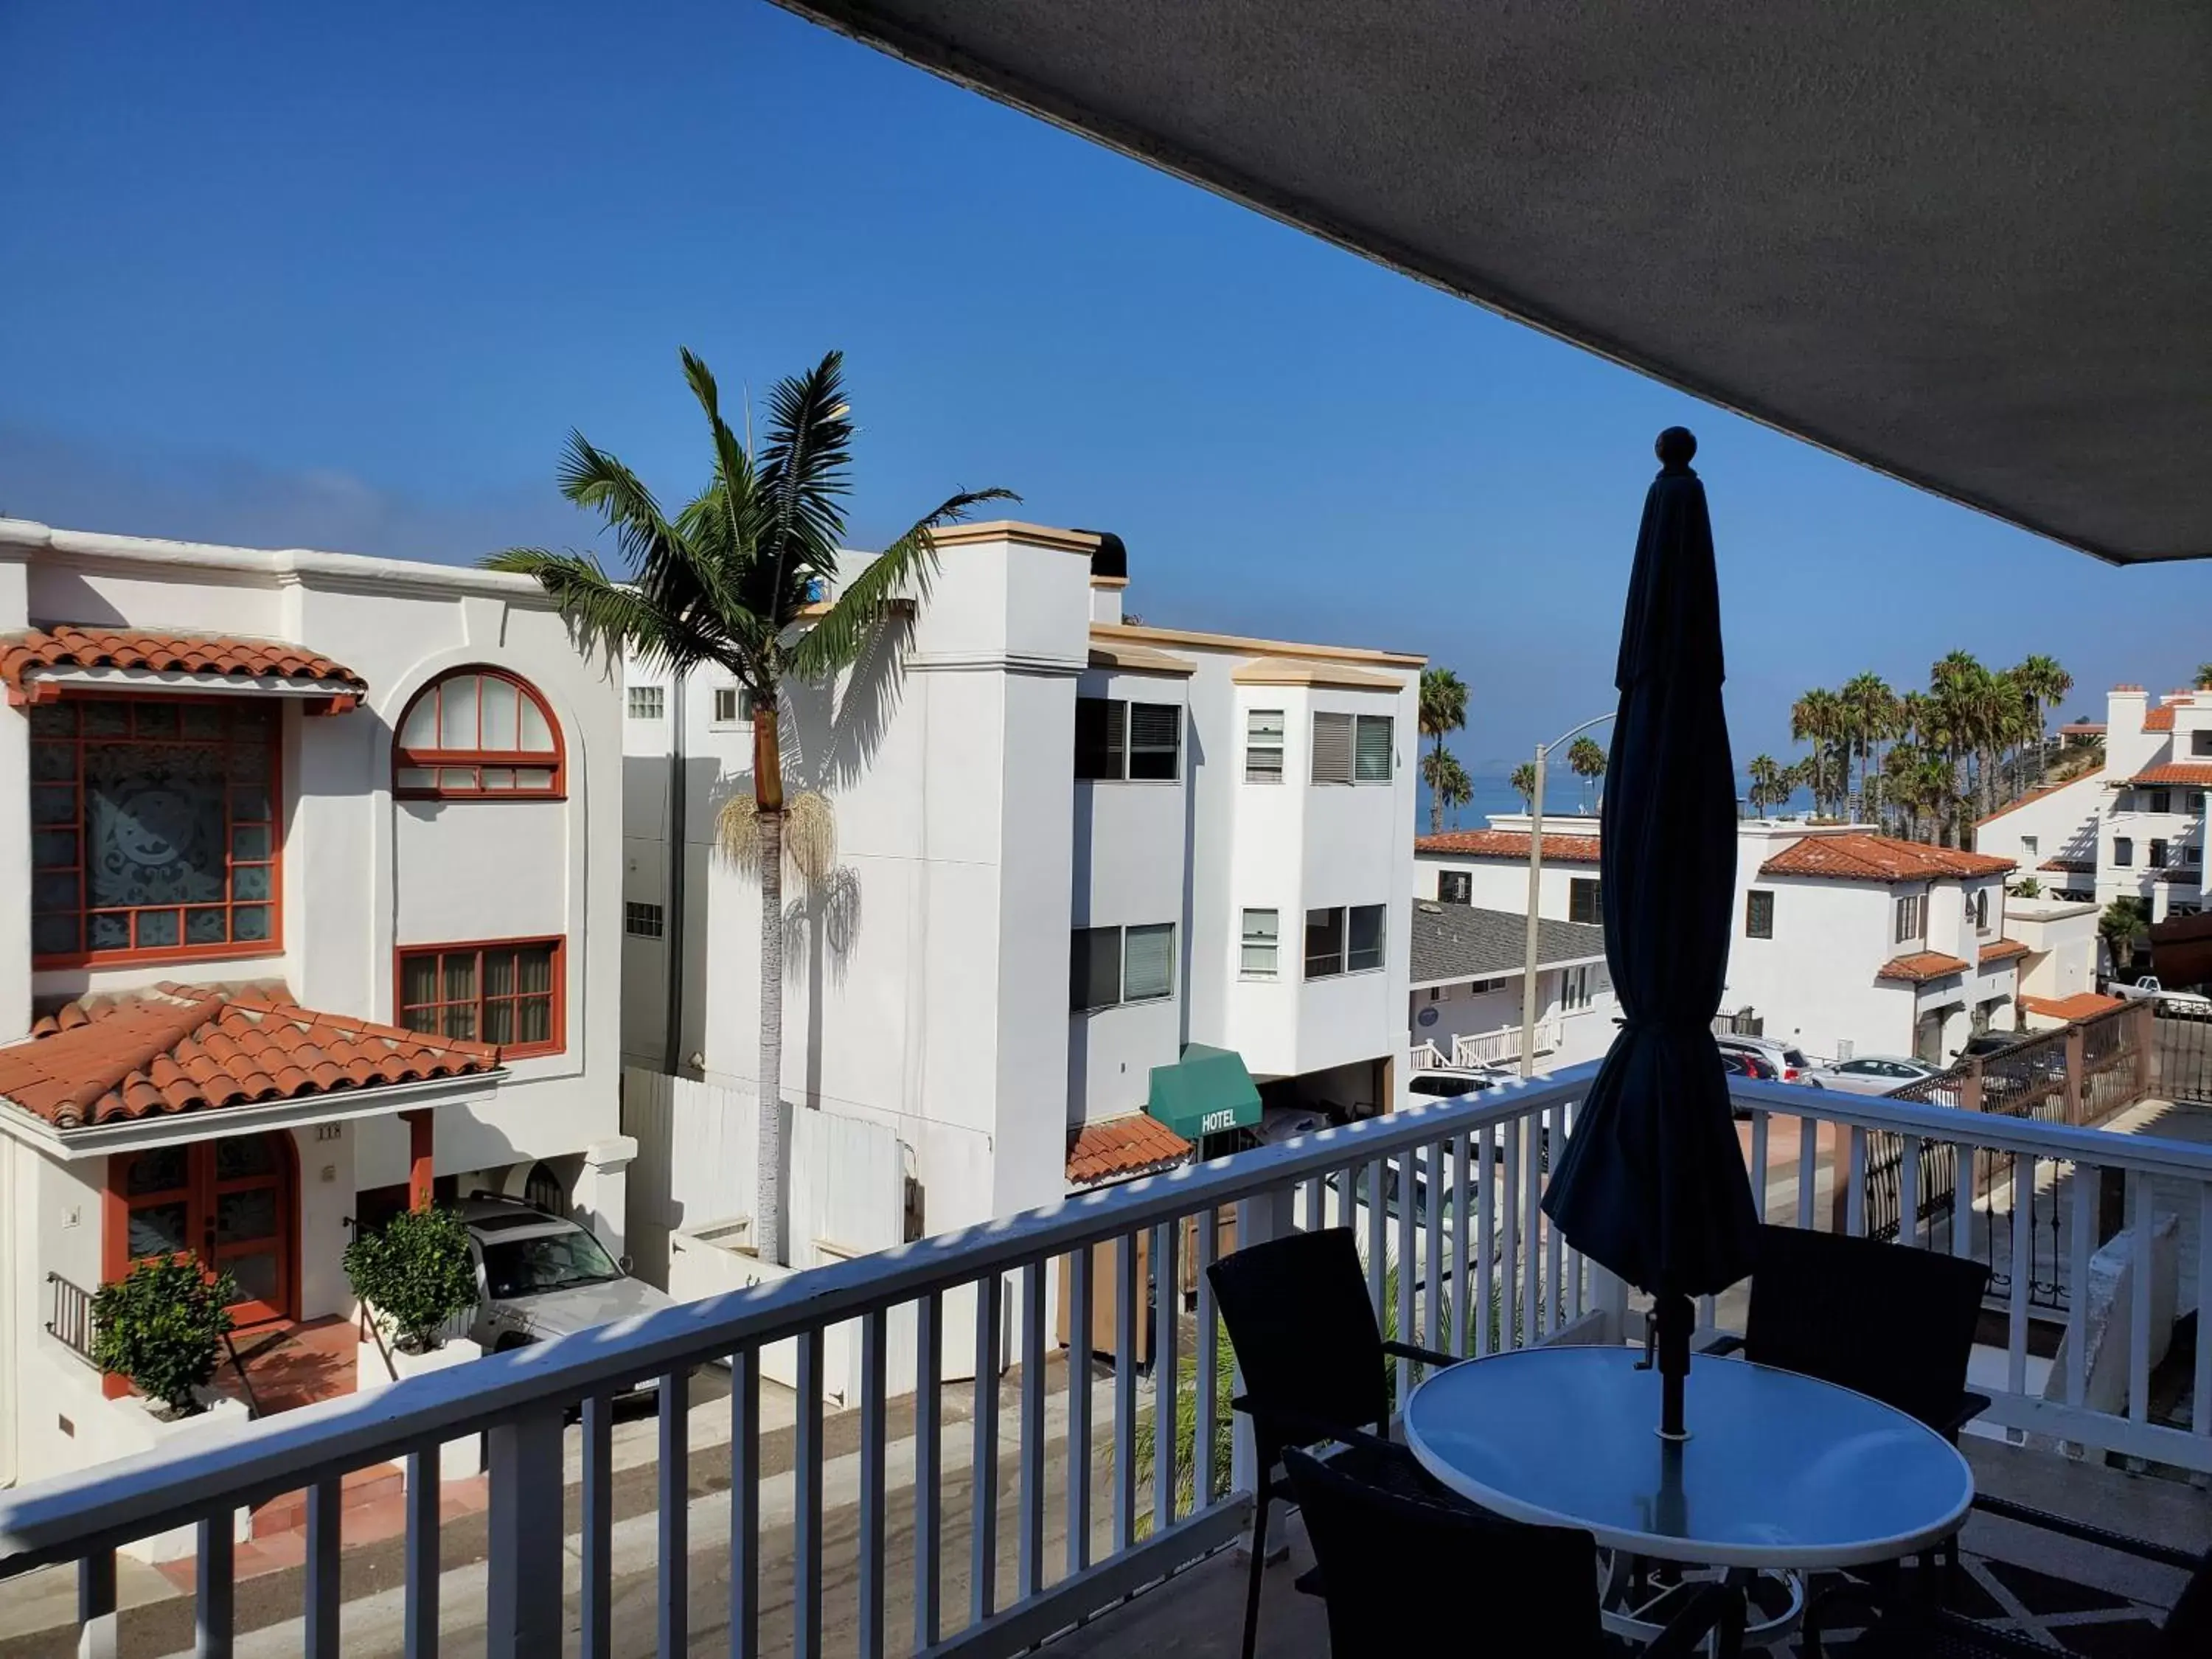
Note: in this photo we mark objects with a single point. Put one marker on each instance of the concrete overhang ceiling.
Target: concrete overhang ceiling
(1969, 245)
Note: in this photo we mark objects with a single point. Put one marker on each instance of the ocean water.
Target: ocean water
(1563, 793)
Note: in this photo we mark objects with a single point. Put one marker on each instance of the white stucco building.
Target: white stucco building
(1844, 941)
(308, 897)
(1090, 875)
(2133, 826)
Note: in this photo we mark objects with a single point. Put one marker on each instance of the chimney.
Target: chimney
(1109, 576)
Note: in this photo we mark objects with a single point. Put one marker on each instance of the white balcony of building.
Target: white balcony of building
(942, 1515)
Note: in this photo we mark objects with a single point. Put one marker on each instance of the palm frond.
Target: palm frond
(603, 611)
(803, 480)
(908, 564)
(733, 467)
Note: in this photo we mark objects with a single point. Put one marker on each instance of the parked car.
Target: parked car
(1785, 1060)
(541, 1275)
(1451, 1082)
(1871, 1074)
(2177, 1002)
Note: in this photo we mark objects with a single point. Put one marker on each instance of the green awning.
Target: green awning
(1207, 1091)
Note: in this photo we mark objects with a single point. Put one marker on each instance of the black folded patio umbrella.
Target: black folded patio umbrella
(1652, 1184)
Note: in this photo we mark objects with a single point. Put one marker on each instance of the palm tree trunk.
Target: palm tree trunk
(1436, 800)
(767, 795)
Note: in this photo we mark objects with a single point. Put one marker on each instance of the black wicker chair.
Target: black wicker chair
(1891, 1321)
(1313, 1360)
(1918, 1631)
(1402, 1574)
(1886, 1320)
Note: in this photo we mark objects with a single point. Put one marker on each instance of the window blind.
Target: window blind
(1148, 963)
(1332, 749)
(1372, 764)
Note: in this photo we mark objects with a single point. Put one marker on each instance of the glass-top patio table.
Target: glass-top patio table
(1781, 1473)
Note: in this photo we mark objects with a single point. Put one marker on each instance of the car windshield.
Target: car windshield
(552, 1262)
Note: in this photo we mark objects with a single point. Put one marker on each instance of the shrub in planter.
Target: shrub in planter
(161, 1325)
(416, 1275)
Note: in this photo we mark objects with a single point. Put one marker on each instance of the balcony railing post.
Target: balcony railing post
(2076, 1054)
(522, 1593)
(1269, 1215)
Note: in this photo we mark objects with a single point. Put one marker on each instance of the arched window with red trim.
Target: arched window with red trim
(478, 733)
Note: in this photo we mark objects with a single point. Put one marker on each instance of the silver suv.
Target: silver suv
(1786, 1060)
(538, 1275)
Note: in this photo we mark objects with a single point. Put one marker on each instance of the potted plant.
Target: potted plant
(161, 1325)
(414, 1275)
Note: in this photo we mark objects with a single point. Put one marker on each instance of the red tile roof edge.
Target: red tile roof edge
(71, 645)
(1560, 846)
(2082, 1005)
(1922, 965)
(182, 1048)
(1118, 1148)
(2002, 950)
(1858, 855)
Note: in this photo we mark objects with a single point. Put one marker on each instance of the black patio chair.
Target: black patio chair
(1888, 1320)
(1315, 1366)
(1913, 1629)
(1891, 1322)
(1402, 1574)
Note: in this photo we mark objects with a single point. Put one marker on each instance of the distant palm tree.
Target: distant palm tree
(1449, 785)
(1770, 784)
(1818, 719)
(734, 580)
(1524, 785)
(2048, 684)
(1444, 710)
(1869, 720)
(2205, 677)
(1587, 762)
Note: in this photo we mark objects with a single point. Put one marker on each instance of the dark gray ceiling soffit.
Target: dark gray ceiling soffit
(1968, 245)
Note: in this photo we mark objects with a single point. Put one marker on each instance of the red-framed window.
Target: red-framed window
(155, 828)
(511, 991)
(478, 733)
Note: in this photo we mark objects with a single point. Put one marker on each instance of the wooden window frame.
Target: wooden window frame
(1757, 917)
(557, 1043)
(184, 950)
(1592, 912)
(439, 761)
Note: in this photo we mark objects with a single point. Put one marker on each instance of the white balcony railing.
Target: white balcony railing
(1478, 1269)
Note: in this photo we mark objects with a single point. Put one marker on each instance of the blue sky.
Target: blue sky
(275, 276)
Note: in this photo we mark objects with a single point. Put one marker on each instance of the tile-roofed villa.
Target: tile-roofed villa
(316, 914)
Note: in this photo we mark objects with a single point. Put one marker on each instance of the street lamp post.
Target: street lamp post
(1535, 887)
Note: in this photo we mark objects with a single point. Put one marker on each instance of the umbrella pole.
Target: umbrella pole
(1673, 1312)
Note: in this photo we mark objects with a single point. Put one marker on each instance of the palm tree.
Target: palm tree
(2205, 677)
(1771, 784)
(2048, 684)
(1817, 718)
(1586, 761)
(2123, 920)
(1444, 709)
(1871, 713)
(1524, 785)
(1449, 784)
(733, 581)
(1921, 782)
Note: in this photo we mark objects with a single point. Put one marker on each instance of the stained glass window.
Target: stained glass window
(154, 828)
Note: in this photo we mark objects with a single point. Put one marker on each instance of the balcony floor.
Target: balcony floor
(2101, 1605)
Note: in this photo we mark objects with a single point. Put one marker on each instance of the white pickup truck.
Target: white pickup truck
(2148, 988)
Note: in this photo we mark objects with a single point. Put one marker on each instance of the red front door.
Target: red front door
(230, 1202)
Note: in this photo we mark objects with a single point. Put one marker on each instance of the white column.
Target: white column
(601, 1197)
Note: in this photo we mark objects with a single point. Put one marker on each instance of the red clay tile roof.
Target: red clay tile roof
(1564, 847)
(2068, 867)
(1924, 965)
(68, 647)
(1133, 1145)
(2196, 774)
(2081, 1005)
(2002, 950)
(192, 1048)
(2160, 719)
(1857, 856)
